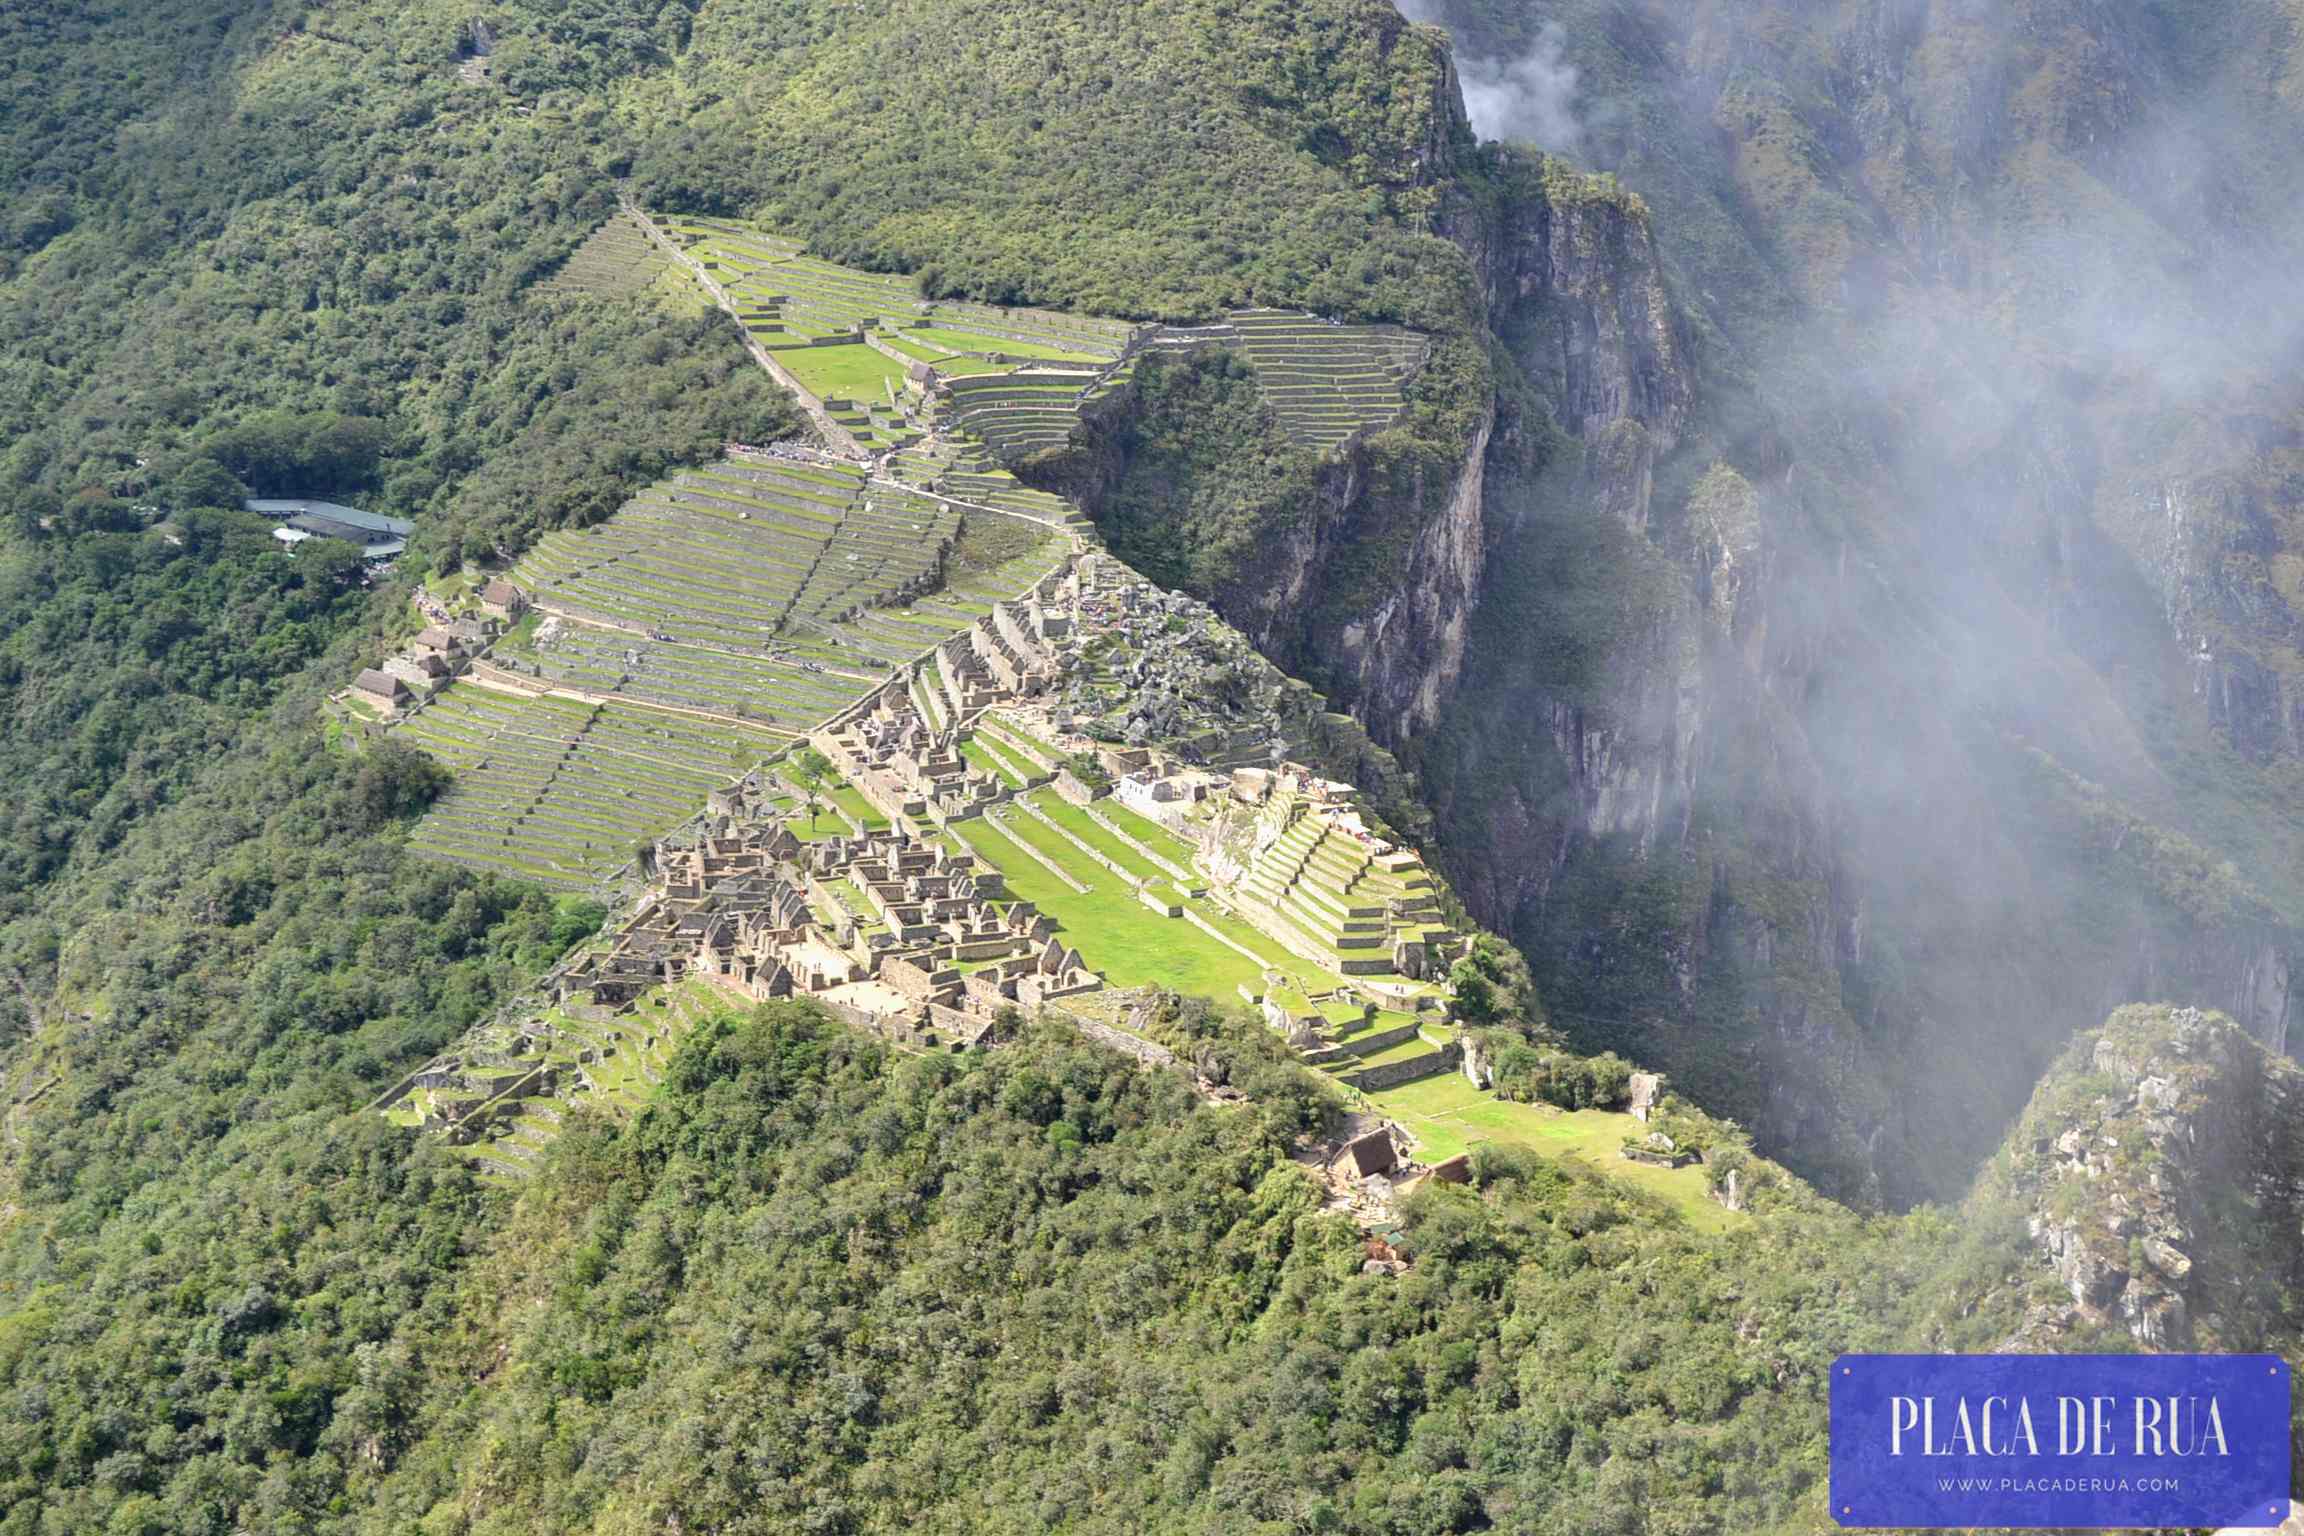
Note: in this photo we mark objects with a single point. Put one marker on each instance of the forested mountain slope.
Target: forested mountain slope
(293, 248)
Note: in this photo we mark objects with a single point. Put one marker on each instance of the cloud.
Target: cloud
(1532, 98)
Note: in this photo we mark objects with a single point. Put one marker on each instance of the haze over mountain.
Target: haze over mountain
(1992, 311)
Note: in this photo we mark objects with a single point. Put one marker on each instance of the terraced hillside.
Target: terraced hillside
(786, 695)
(967, 471)
(1326, 381)
(734, 554)
(1021, 412)
(790, 299)
(527, 1078)
(616, 260)
(559, 791)
(1338, 899)
(703, 627)
(888, 364)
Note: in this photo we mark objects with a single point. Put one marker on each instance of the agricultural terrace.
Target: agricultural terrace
(786, 695)
(935, 338)
(700, 629)
(616, 261)
(560, 791)
(850, 338)
(1012, 379)
(1020, 412)
(605, 1058)
(736, 554)
(1324, 381)
(852, 372)
(790, 299)
(968, 472)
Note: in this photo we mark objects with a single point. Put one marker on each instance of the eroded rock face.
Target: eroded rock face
(1803, 749)
(2162, 1170)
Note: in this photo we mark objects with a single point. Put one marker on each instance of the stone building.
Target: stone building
(380, 688)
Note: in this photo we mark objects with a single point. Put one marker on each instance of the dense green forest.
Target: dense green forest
(280, 249)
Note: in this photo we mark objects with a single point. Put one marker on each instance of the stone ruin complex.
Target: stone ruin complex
(903, 930)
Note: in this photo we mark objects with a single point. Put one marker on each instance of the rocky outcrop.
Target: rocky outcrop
(2160, 1171)
(1402, 662)
(1391, 647)
(1575, 287)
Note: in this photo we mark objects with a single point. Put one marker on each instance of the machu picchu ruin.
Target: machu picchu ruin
(1051, 811)
(1317, 768)
(616, 261)
(875, 721)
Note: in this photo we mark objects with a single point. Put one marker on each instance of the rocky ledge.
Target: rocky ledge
(2160, 1169)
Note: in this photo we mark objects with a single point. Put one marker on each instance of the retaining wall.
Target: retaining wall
(1393, 1074)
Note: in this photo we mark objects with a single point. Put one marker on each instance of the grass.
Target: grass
(852, 372)
(1077, 822)
(1114, 932)
(983, 761)
(1148, 832)
(823, 823)
(451, 588)
(851, 799)
(1447, 1115)
(971, 341)
(945, 363)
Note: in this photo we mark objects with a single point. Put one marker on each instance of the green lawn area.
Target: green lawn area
(1146, 831)
(815, 828)
(1019, 770)
(972, 341)
(1447, 1114)
(1023, 829)
(1406, 1050)
(978, 758)
(851, 371)
(945, 363)
(851, 799)
(1077, 822)
(1114, 932)
(1026, 751)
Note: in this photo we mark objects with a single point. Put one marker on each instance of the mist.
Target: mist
(1998, 309)
(1529, 97)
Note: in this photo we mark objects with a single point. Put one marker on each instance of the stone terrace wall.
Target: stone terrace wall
(1392, 1074)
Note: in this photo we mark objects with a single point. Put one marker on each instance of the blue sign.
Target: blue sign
(2118, 1441)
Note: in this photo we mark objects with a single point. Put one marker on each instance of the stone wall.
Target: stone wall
(1393, 1074)
(1382, 1040)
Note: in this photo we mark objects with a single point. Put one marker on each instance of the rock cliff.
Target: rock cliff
(2159, 1171)
(1843, 676)
(1839, 698)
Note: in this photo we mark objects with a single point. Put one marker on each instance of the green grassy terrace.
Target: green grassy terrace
(1447, 1115)
(1115, 933)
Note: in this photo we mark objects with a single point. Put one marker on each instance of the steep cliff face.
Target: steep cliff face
(1846, 661)
(1618, 779)
(1862, 673)
(1370, 590)
(2160, 1174)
